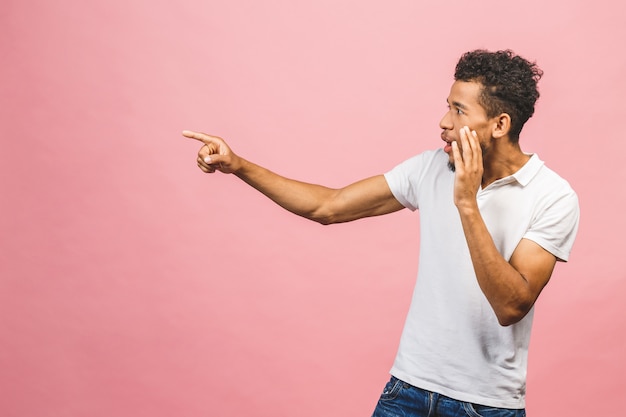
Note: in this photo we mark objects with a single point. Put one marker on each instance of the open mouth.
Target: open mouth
(447, 148)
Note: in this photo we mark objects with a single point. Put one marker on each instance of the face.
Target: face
(464, 109)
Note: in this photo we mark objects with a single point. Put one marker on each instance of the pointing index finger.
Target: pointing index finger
(204, 138)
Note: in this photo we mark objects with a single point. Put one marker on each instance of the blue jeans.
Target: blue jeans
(400, 399)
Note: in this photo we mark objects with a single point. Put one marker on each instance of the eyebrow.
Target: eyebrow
(459, 105)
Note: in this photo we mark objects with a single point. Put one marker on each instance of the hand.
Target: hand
(215, 155)
(468, 163)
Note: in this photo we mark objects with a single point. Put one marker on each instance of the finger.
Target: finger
(458, 159)
(207, 169)
(204, 168)
(478, 152)
(473, 158)
(214, 159)
(473, 145)
(211, 163)
(203, 161)
(202, 137)
(471, 137)
(466, 148)
(469, 141)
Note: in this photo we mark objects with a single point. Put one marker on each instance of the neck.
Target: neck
(502, 160)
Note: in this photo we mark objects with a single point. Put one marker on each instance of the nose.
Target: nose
(446, 121)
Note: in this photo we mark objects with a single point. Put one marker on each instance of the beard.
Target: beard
(452, 167)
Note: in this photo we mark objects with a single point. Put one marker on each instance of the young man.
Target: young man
(494, 222)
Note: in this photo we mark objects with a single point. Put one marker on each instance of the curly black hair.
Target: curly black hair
(509, 84)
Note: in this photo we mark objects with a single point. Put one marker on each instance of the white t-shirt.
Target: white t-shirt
(452, 342)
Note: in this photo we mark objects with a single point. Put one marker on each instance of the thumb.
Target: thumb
(214, 159)
(217, 162)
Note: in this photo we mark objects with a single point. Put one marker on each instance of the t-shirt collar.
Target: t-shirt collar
(526, 173)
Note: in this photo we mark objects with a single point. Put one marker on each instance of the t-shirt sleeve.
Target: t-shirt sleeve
(404, 179)
(555, 229)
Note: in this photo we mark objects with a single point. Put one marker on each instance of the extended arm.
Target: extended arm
(511, 287)
(365, 198)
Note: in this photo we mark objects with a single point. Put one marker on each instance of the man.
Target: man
(494, 222)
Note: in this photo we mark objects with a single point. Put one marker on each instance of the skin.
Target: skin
(481, 152)
(365, 198)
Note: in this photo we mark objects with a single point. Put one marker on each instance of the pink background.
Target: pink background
(131, 284)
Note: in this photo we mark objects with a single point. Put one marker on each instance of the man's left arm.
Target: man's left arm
(510, 287)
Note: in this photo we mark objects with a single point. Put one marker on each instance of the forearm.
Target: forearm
(365, 198)
(506, 289)
(304, 199)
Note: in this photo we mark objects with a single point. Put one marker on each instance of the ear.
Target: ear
(501, 125)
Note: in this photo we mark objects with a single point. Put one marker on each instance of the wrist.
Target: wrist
(243, 168)
(467, 207)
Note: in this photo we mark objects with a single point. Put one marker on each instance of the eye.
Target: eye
(456, 110)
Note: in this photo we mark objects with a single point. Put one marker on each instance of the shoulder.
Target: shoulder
(548, 183)
(406, 180)
(423, 160)
(556, 214)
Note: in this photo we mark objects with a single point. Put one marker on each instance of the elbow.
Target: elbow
(512, 314)
(320, 216)
(325, 220)
(514, 308)
(323, 216)
(331, 210)
(508, 320)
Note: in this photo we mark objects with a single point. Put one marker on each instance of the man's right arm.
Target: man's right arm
(365, 198)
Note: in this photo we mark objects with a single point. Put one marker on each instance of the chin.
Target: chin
(451, 166)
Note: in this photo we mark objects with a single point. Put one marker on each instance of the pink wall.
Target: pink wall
(131, 284)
